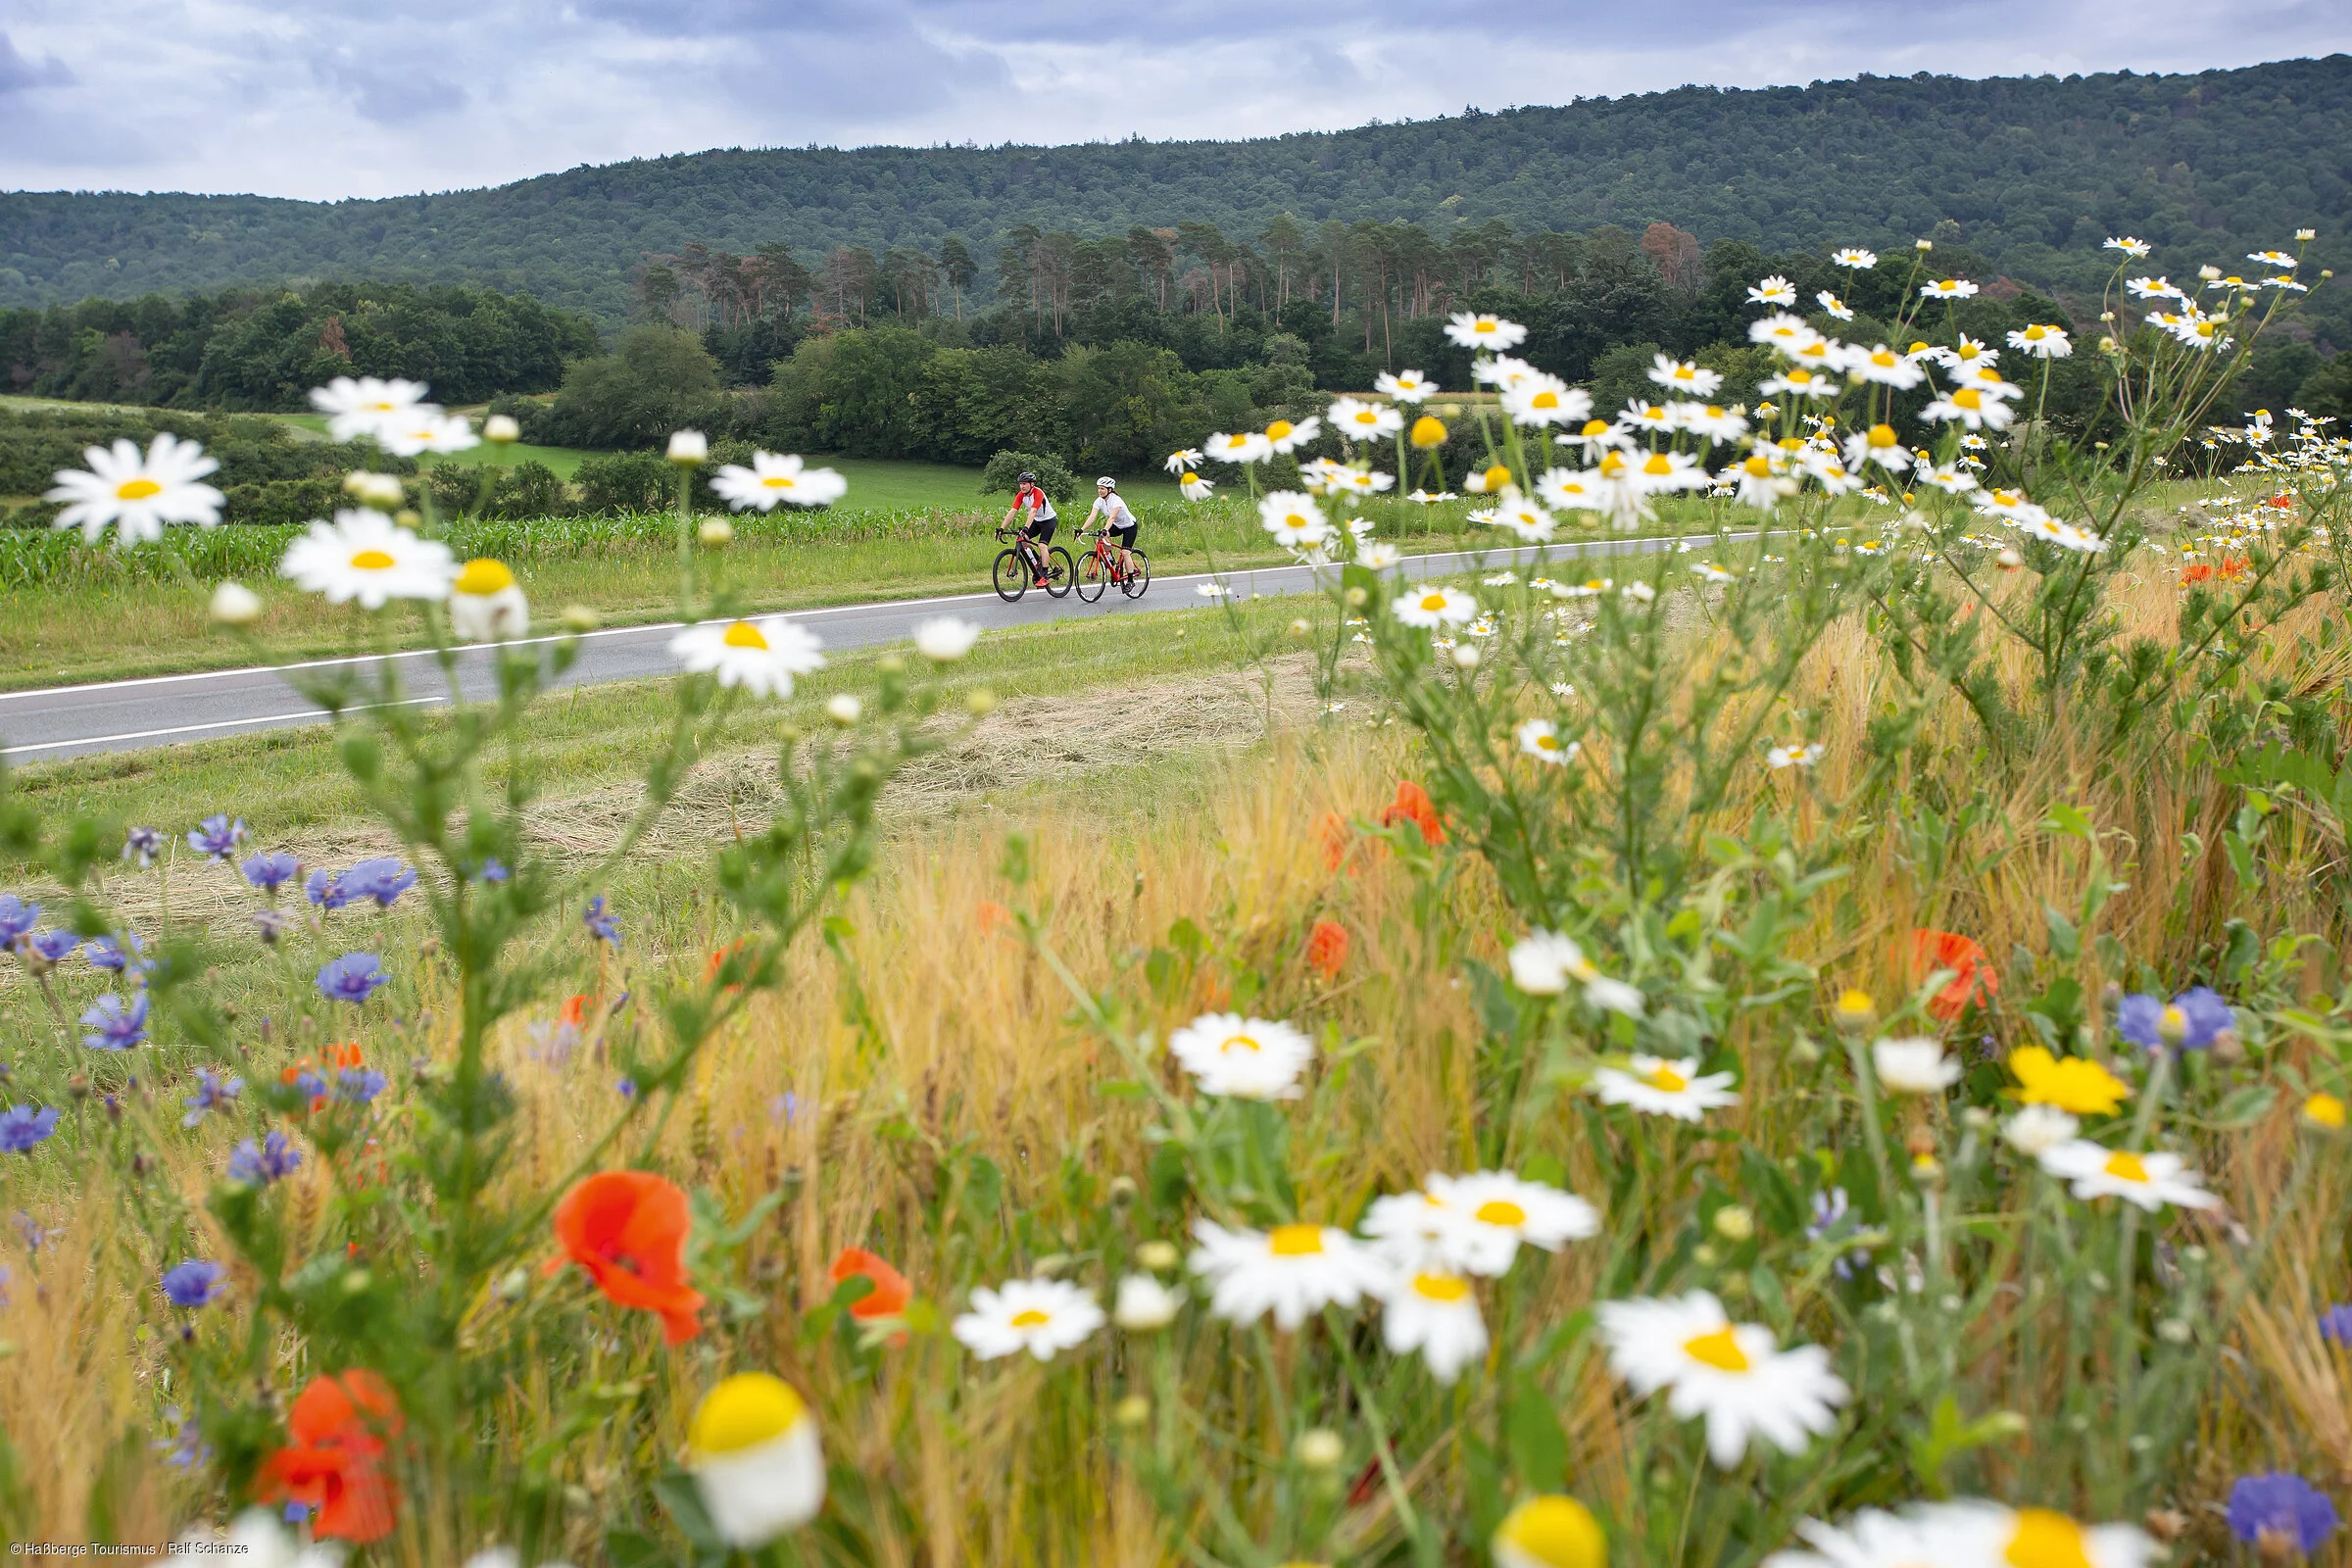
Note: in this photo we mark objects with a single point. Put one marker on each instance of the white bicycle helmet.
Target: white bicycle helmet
(1106, 479)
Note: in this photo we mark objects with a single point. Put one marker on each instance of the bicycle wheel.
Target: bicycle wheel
(1091, 577)
(1011, 574)
(1060, 572)
(1139, 575)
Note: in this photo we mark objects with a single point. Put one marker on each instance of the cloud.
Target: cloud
(334, 98)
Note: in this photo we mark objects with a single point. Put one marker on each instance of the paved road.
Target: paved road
(58, 721)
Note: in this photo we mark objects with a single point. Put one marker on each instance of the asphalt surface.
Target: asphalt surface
(47, 723)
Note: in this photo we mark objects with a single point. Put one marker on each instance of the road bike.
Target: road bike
(1018, 565)
(1100, 568)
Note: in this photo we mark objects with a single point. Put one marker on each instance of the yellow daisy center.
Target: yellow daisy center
(1612, 466)
(1545, 399)
(1501, 1211)
(1278, 431)
(1558, 1532)
(1657, 465)
(485, 576)
(778, 481)
(1665, 1078)
(1545, 742)
(1488, 323)
(1433, 602)
(1295, 1241)
(1030, 1319)
(1366, 416)
(372, 561)
(2046, 1540)
(1968, 397)
(742, 634)
(1756, 467)
(2035, 334)
(1191, 478)
(138, 489)
(1719, 1350)
(1238, 1043)
(1596, 428)
(2323, 1110)
(1447, 1287)
(744, 1411)
(2126, 1166)
(1882, 436)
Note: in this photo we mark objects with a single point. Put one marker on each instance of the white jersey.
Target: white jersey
(1112, 510)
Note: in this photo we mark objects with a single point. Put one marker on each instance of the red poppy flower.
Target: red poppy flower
(1973, 976)
(2197, 572)
(1413, 805)
(1332, 832)
(992, 916)
(1327, 948)
(627, 1228)
(575, 1011)
(718, 959)
(891, 1292)
(339, 1427)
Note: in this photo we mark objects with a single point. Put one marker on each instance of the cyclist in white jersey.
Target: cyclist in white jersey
(1118, 520)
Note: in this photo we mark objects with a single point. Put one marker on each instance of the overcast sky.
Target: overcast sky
(332, 98)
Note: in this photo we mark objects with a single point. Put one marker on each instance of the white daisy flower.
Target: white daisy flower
(759, 656)
(2044, 342)
(1597, 437)
(1470, 330)
(1884, 367)
(774, 478)
(1681, 375)
(1880, 445)
(1546, 400)
(2278, 258)
(1180, 462)
(1708, 572)
(2154, 288)
(425, 429)
(1798, 382)
(1575, 490)
(1616, 996)
(1294, 518)
(1854, 258)
(1377, 555)
(1914, 1065)
(1241, 1057)
(367, 405)
(1970, 1533)
(2201, 331)
(1950, 479)
(1144, 1305)
(1973, 408)
(1774, 290)
(1245, 446)
(137, 495)
(1647, 417)
(1044, 1317)
(1360, 481)
(1834, 306)
(2066, 536)
(1871, 1539)
(1433, 607)
(1797, 754)
(1947, 288)
(1292, 1271)
(1406, 386)
(1195, 488)
(1549, 1530)
(1359, 528)
(1522, 516)
(1660, 471)
(1438, 1315)
(758, 1465)
(1637, 593)
(1657, 1086)
(1785, 332)
(2150, 1180)
(1717, 423)
(1543, 963)
(1358, 421)
(1485, 1216)
(2038, 1129)
(2128, 245)
(1987, 378)
(486, 603)
(366, 556)
(1503, 372)
(1540, 738)
(1284, 436)
(944, 639)
(1734, 1375)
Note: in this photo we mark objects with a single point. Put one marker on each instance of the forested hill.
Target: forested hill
(2034, 173)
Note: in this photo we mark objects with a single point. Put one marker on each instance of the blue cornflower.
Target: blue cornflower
(16, 918)
(382, 879)
(270, 869)
(54, 946)
(143, 845)
(186, 1448)
(195, 1283)
(324, 889)
(2280, 1507)
(275, 1158)
(784, 1107)
(602, 927)
(218, 837)
(115, 1027)
(494, 870)
(2191, 1020)
(212, 1093)
(356, 1086)
(307, 1083)
(627, 1088)
(22, 1127)
(2336, 1325)
(354, 977)
(118, 952)
(35, 1238)
(1834, 1220)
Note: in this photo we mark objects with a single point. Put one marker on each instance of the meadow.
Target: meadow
(1825, 1049)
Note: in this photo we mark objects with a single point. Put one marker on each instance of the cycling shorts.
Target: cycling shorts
(1125, 536)
(1041, 529)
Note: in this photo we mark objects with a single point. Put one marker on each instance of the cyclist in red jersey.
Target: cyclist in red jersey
(1035, 508)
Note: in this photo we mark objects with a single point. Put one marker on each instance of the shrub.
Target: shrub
(1001, 476)
(626, 482)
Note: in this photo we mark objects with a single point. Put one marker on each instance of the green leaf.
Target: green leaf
(1125, 1088)
(2066, 940)
(1538, 1447)
(685, 1506)
(2069, 820)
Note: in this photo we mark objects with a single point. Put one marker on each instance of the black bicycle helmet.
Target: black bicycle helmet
(1027, 477)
